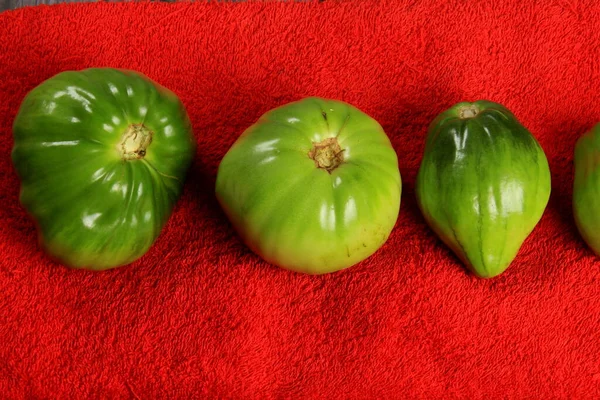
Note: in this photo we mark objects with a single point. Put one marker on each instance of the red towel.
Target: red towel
(200, 316)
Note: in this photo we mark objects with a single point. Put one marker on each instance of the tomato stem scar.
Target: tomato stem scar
(134, 142)
(327, 154)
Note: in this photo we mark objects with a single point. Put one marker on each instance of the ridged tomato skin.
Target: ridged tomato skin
(102, 156)
(483, 184)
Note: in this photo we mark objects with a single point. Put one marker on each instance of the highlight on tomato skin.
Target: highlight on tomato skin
(102, 155)
(483, 184)
(313, 186)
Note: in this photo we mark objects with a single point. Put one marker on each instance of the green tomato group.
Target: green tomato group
(312, 186)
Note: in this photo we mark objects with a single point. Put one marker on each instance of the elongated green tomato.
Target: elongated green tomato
(483, 184)
(102, 155)
(586, 188)
(313, 186)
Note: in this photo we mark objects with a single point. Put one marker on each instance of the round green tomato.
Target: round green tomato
(313, 186)
(102, 156)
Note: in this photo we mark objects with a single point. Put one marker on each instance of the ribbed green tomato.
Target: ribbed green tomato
(586, 188)
(102, 156)
(313, 186)
(483, 184)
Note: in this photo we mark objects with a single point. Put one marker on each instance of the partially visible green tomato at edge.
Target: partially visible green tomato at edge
(586, 188)
(102, 156)
(313, 186)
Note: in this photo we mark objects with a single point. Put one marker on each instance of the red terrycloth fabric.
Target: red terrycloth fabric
(199, 316)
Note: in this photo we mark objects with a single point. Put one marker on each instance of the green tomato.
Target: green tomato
(102, 155)
(586, 187)
(483, 184)
(313, 186)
